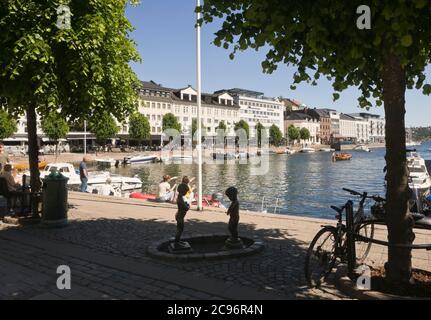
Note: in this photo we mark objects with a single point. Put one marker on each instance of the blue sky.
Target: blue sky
(166, 41)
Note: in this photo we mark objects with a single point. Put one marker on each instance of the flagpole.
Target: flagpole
(199, 129)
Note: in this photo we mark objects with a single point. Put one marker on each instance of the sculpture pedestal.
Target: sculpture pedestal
(233, 243)
(180, 247)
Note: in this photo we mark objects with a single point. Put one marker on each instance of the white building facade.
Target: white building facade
(348, 129)
(156, 101)
(255, 108)
(302, 120)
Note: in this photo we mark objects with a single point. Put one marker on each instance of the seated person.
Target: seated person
(108, 189)
(12, 185)
(166, 192)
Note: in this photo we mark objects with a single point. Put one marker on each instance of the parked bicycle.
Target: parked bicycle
(330, 246)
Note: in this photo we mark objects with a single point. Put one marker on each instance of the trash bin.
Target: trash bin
(54, 204)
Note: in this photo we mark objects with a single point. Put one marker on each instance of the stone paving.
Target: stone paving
(105, 246)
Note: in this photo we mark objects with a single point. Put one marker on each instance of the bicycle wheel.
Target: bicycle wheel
(363, 248)
(321, 256)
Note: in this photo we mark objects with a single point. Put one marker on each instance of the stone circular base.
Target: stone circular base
(204, 247)
(54, 223)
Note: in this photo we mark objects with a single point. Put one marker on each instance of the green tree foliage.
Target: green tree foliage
(55, 127)
(260, 129)
(169, 121)
(304, 133)
(275, 134)
(85, 69)
(7, 125)
(195, 128)
(421, 134)
(222, 126)
(139, 127)
(293, 133)
(241, 124)
(222, 132)
(322, 38)
(104, 127)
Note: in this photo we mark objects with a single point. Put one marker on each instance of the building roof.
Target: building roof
(365, 115)
(344, 116)
(174, 95)
(241, 92)
(152, 85)
(298, 116)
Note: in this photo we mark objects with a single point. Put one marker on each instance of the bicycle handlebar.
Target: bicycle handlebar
(356, 193)
(365, 195)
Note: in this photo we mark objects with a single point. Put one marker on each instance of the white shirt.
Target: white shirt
(164, 188)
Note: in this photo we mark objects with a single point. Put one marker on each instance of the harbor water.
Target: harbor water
(304, 184)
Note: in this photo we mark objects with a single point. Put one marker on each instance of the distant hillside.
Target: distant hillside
(421, 133)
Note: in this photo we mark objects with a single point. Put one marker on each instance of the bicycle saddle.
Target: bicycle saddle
(423, 222)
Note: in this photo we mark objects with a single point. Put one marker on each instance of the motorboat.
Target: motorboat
(106, 162)
(308, 150)
(419, 178)
(362, 147)
(412, 143)
(290, 151)
(178, 159)
(95, 179)
(341, 156)
(140, 159)
(327, 150)
(22, 166)
(213, 200)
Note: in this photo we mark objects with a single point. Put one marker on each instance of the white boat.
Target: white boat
(419, 179)
(94, 178)
(106, 162)
(308, 150)
(327, 150)
(290, 151)
(362, 147)
(141, 159)
(178, 159)
(412, 143)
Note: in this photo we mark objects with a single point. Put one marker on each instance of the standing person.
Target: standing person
(83, 174)
(183, 207)
(4, 159)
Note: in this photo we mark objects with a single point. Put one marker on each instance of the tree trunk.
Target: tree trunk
(33, 149)
(398, 218)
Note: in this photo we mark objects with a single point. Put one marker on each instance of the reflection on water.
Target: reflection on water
(304, 184)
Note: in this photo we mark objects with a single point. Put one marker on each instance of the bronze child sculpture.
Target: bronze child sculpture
(183, 207)
(233, 212)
